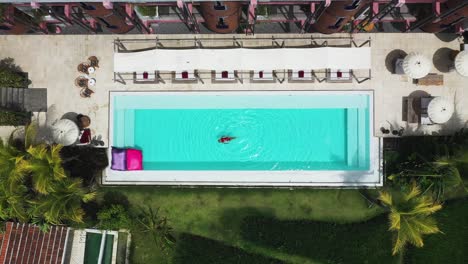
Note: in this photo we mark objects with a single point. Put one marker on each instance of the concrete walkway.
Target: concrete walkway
(51, 62)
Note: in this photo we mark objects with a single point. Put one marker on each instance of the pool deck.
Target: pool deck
(51, 62)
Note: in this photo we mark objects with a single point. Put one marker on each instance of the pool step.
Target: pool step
(362, 135)
(352, 126)
(119, 121)
(124, 134)
(356, 138)
(129, 129)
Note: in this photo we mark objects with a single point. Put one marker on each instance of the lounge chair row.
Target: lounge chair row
(332, 75)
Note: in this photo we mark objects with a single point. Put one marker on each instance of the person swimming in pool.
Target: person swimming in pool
(225, 139)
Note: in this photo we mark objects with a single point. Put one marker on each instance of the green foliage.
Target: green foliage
(410, 216)
(147, 10)
(11, 75)
(157, 227)
(34, 187)
(45, 166)
(14, 118)
(436, 177)
(3, 8)
(263, 10)
(114, 217)
(64, 203)
(436, 164)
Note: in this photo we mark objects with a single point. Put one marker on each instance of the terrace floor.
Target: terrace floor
(51, 62)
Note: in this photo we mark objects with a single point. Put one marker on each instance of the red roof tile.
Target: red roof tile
(25, 243)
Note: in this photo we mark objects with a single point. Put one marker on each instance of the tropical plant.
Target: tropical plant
(147, 10)
(410, 216)
(3, 8)
(64, 203)
(114, 217)
(45, 165)
(13, 193)
(34, 186)
(436, 176)
(157, 227)
(14, 118)
(11, 75)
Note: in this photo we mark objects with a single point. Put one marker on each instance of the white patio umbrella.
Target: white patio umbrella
(461, 63)
(65, 132)
(416, 65)
(440, 109)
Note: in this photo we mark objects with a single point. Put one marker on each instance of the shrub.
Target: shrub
(147, 10)
(3, 8)
(11, 75)
(114, 217)
(13, 118)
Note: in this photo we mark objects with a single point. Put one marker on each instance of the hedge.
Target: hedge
(14, 118)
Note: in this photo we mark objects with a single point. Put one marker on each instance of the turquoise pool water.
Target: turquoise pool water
(281, 132)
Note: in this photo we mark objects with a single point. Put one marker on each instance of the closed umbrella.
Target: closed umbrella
(416, 65)
(461, 63)
(65, 132)
(440, 109)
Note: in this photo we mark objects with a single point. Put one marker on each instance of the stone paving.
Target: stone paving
(51, 62)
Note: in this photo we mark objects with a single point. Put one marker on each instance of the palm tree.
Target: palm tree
(157, 226)
(45, 165)
(13, 192)
(13, 202)
(410, 216)
(64, 203)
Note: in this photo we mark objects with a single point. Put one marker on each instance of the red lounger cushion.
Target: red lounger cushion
(134, 159)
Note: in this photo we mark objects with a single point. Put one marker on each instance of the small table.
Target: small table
(91, 82)
(431, 79)
(91, 70)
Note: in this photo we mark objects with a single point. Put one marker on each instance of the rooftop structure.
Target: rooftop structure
(254, 16)
(26, 243)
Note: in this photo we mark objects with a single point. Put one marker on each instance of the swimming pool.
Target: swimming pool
(279, 138)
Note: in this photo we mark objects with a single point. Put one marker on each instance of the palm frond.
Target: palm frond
(385, 197)
(410, 233)
(30, 135)
(395, 219)
(413, 192)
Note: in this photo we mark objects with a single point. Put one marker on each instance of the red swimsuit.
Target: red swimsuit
(225, 139)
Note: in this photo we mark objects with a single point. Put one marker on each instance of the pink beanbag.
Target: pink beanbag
(134, 159)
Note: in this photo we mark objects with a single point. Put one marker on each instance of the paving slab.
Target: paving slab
(51, 62)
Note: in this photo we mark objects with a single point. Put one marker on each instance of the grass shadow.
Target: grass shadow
(196, 249)
(364, 242)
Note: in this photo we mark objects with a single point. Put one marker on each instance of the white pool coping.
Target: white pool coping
(257, 178)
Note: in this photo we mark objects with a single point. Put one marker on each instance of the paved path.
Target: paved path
(51, 62)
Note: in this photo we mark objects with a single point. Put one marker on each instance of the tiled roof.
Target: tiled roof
(25, 243)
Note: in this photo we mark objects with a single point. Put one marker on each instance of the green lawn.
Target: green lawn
(272, 226)
(218, 217)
